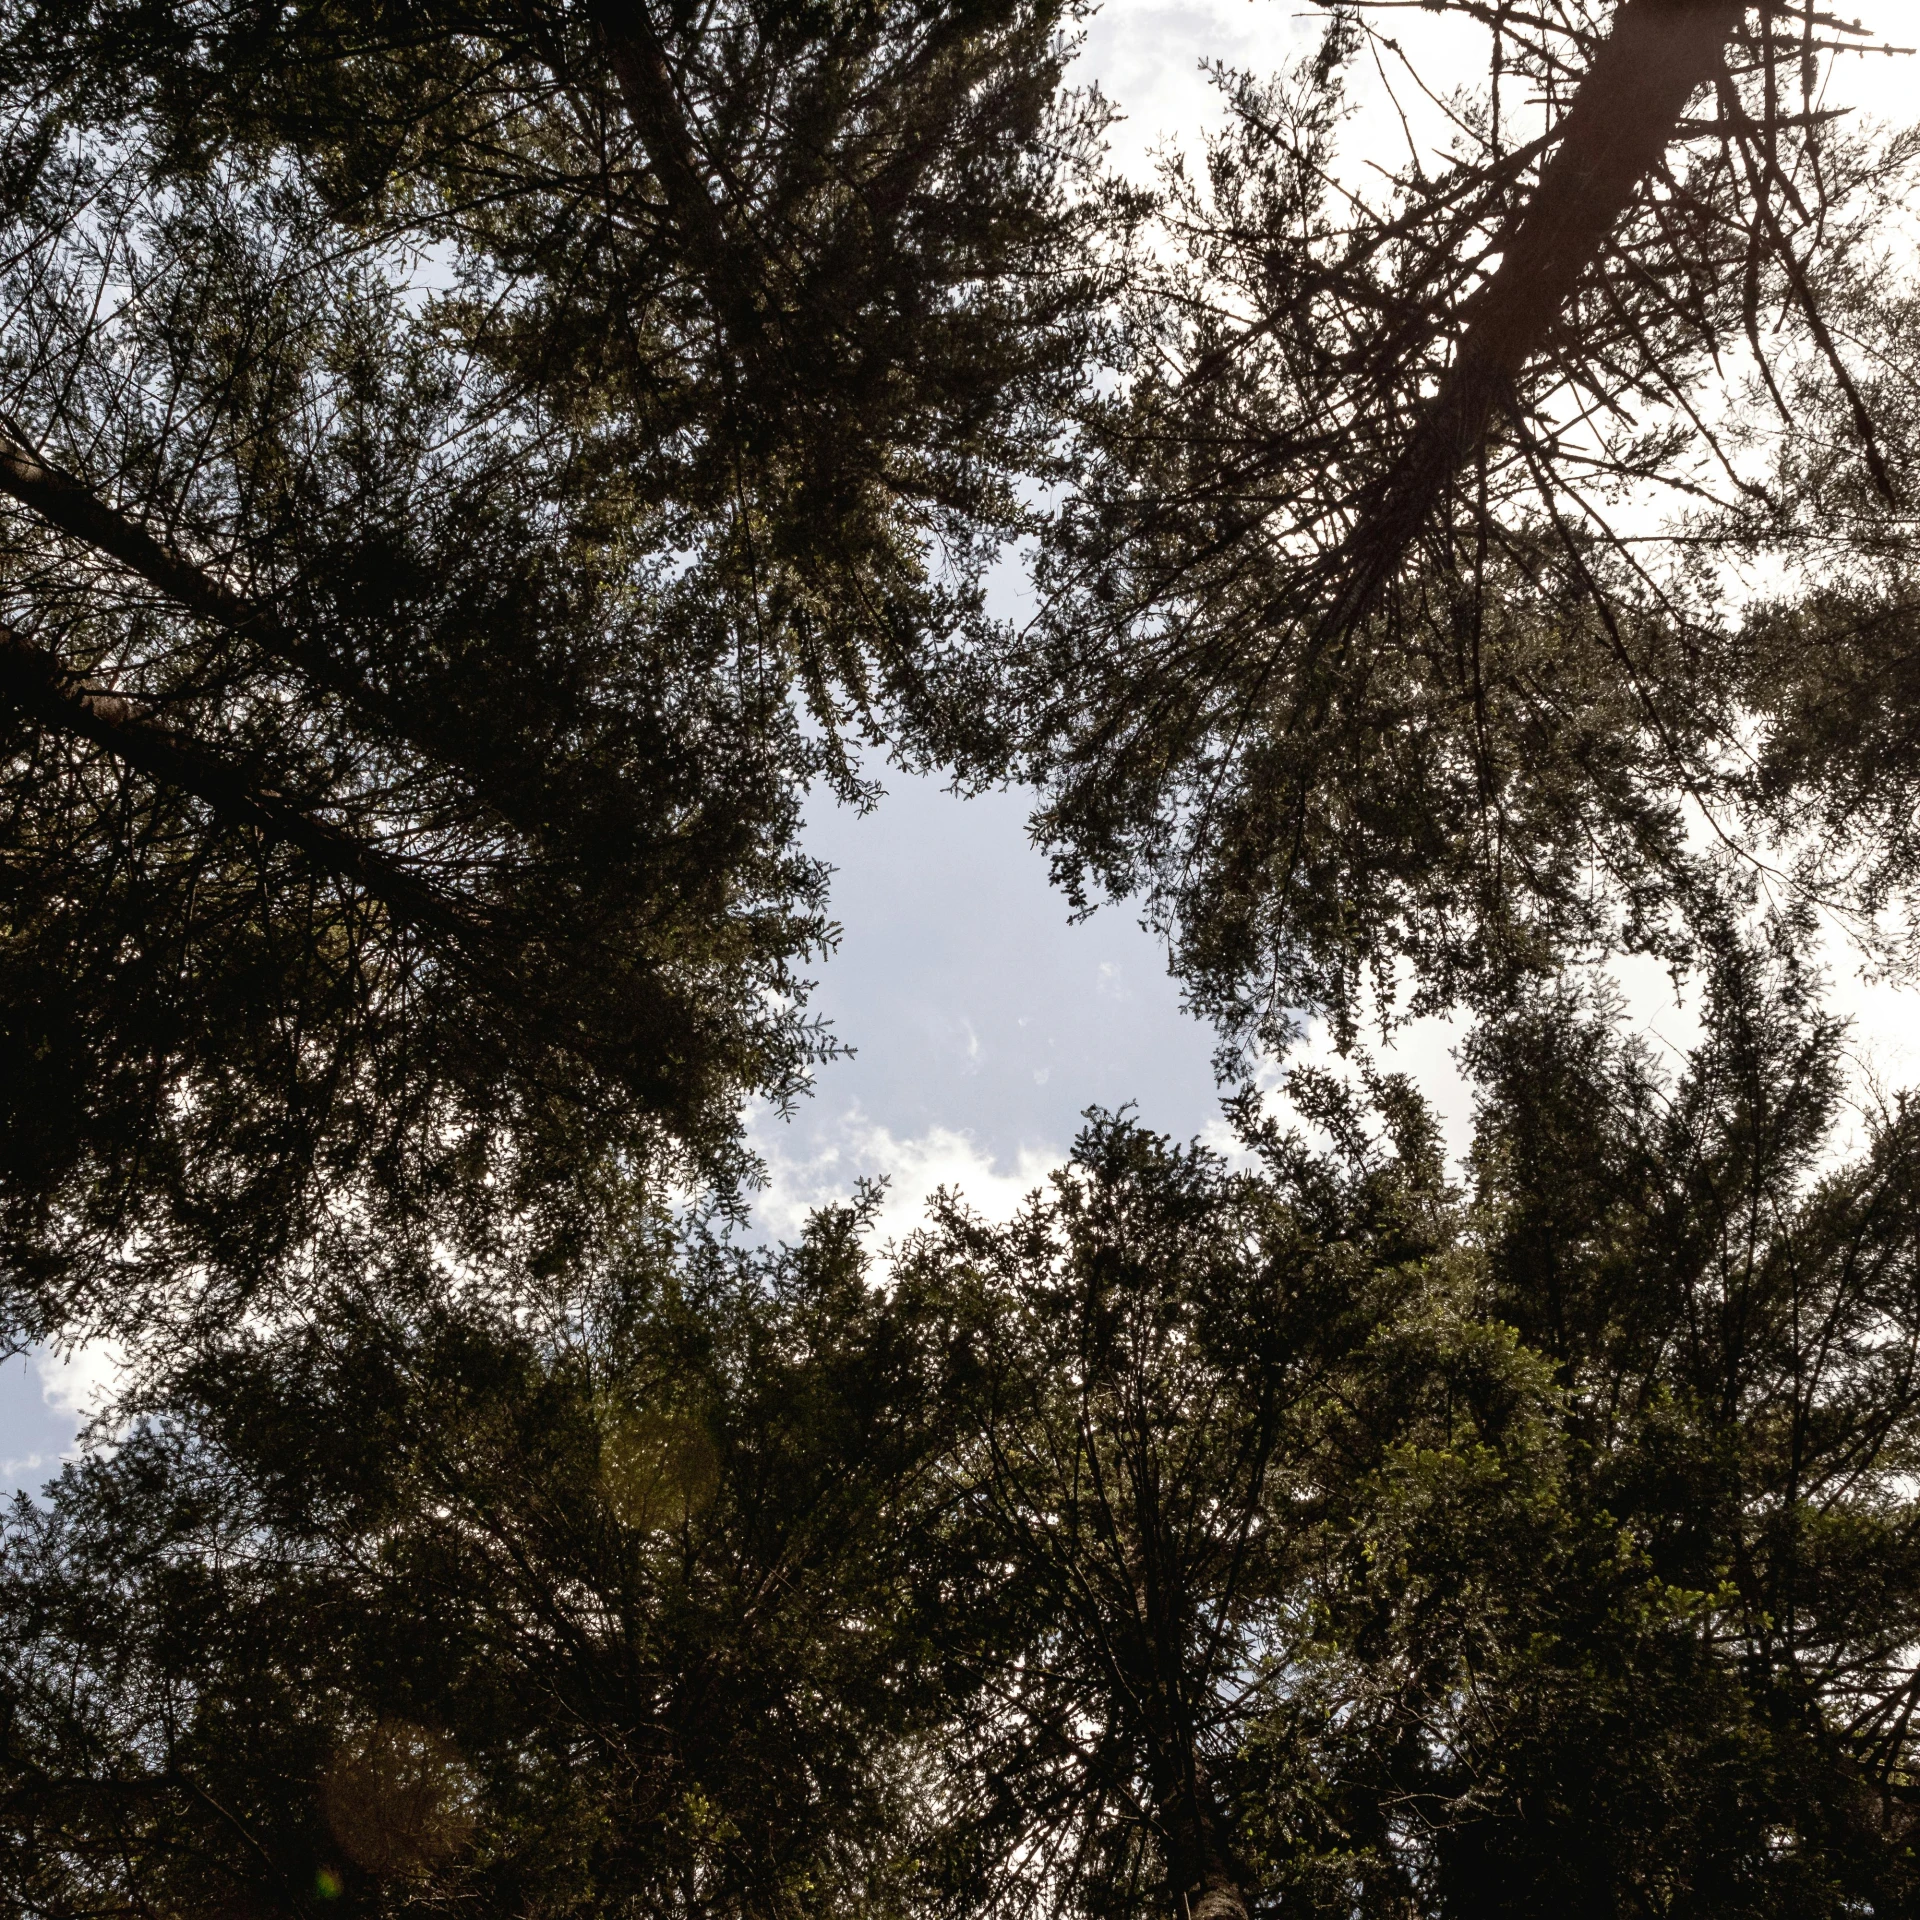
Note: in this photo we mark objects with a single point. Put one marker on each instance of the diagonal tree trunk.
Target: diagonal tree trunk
(1617, 129)
(653, 103)
(66, 501)
(37, 682)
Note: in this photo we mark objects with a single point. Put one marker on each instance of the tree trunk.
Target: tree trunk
(1616, 131)
(64, 500)
(42, 687)
(654, 106)
(1203, 1877)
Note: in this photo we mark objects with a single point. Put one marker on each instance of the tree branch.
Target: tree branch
(639, 62)
(66, 501)
(1625, 112)
(41, 686)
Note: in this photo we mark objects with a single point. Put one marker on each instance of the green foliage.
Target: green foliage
(368, 1606)
(1345, 755)
(462, 484)
(1734, 1314)
(468, 469)
(1144, 1495)
(1551, 1548)
(1302, 1536)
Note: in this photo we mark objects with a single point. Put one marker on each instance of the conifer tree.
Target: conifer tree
(577, 1602)
(1451, 561)
(446, 453)
(468, 469)
(1306, 1538)
(1343, 1545)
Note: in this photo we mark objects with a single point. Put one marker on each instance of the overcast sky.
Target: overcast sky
(984, 1022)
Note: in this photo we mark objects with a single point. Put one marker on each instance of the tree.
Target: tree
(1143, 1497)
(1732, 1310)
(1307, 1537)
(472, 468)
(1341, 1548)
(1396, 616)
(574, 1606)
(447, 451)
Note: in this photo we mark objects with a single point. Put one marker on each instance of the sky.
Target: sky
(984, 1021)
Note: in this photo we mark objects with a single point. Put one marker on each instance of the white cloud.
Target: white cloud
(913, 1168)
(46, 1402)
(79, 1382)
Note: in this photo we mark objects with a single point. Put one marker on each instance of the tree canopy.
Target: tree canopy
(1424, 593)
(1311, 1538)
(467, 473)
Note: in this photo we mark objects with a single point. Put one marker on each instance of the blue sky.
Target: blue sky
(983, 1021)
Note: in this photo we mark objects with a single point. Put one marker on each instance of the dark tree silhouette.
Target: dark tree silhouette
(1407, 608)
(466, 471)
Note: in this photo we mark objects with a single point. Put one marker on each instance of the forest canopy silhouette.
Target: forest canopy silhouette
(468, 473)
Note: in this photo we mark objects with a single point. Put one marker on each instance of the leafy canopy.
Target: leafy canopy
(1471, 538)
(1311, 1537)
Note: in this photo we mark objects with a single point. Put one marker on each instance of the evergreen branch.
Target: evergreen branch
(67, 502)
(1624, 114)
(37, 682)
(639, 62)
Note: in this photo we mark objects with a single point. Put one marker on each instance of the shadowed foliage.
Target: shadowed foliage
(1403, 629)
(1308, 1538)
(466, 472)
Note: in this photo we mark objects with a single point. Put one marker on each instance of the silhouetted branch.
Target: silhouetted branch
(1624, 114)
(38, 683)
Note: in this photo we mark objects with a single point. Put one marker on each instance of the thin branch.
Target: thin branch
(37, 682)
(1622, 118)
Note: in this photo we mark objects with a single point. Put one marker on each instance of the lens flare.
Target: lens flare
(398, 1799)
